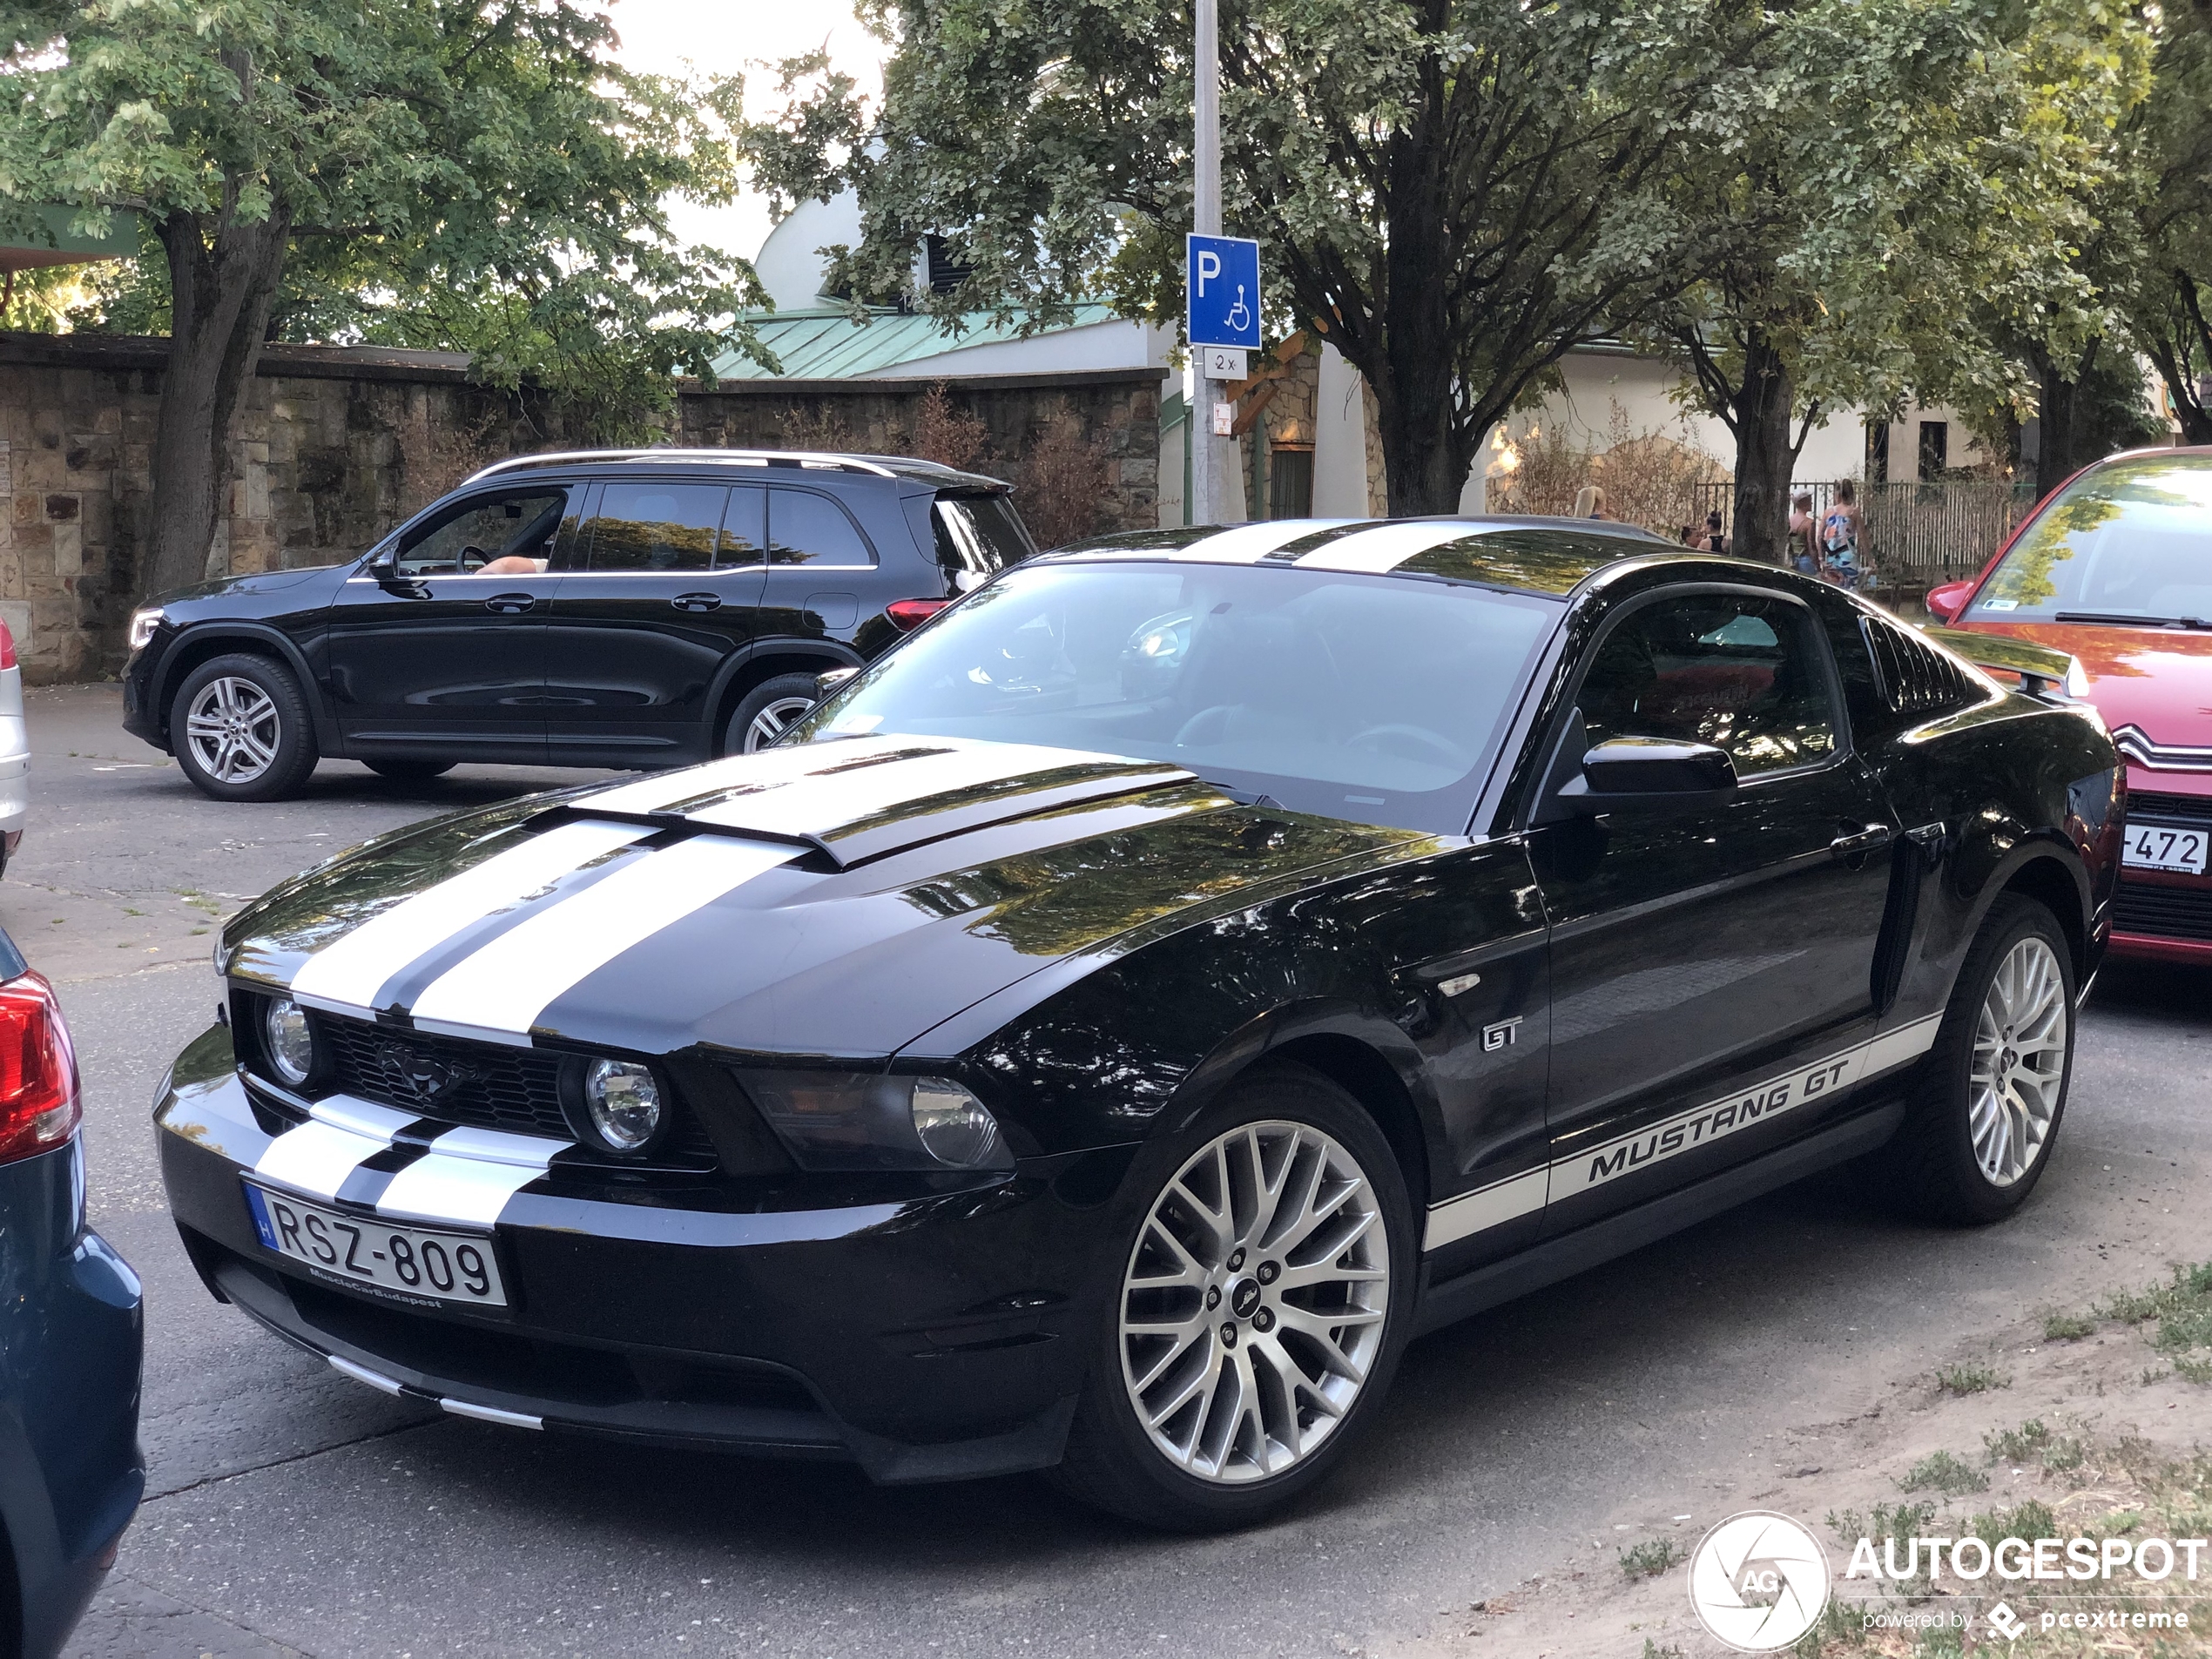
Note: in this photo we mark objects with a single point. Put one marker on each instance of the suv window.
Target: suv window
(657, 527)
(978, 537)
(1743, 674)
(807, 529)
(504, 533)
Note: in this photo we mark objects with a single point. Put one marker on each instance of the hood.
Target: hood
(832, 899)
(2156, 680)
(232, 586)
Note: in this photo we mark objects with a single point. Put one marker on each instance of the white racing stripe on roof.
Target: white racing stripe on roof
(1250, 544)
(1383, 548)
(498, 992)
(347, 975)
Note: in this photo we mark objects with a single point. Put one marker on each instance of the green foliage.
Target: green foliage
(2031, 1520)
(2017, 1445)
(1888, 1521)
(2171, 304)
(1970, 1377)
(2067, 1327)
(1940, 1472)
(1650, 1558)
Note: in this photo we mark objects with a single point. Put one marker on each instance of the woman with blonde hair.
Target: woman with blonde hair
(1589, 501)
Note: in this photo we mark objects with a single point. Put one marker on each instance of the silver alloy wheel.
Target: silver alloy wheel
(774, 720)
(234, 730)
(2019, 1063)
(1253, 1306)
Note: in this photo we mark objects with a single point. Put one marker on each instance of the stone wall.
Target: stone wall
(335, 445)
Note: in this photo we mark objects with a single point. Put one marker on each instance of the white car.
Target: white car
(14, 752)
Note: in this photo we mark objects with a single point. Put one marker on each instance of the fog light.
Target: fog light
(290, 1041)
(621, 1102)
(954, 1127)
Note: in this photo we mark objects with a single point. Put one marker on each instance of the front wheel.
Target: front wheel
(1979, 1129)
(241, 730)
(768, 710)
(1263, 1297)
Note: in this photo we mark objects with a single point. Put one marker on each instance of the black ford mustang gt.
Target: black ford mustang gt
(1117, 1021)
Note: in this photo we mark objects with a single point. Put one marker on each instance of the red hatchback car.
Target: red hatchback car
(2115, 568)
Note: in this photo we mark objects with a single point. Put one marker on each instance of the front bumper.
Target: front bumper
(925, 1331)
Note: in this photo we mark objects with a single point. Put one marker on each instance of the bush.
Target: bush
(1061, 485)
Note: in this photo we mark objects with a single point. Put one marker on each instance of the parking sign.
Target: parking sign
(1222, 279)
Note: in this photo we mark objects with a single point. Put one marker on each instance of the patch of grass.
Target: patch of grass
(1650, 1558)
(1889, 1521)
(2065, 1453)
(1652, 1650)
(2067, 1327)
(1940, 1472)
(2031, 1520)
(2020, 1445)
(1970, 1377)
(2181, 1308)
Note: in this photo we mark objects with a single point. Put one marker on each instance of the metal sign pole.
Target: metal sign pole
(1206, 216)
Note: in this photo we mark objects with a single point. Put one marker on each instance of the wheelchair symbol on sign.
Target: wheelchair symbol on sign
(1240, 318)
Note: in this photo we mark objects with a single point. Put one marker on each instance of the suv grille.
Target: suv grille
(2187, 809)
(517, 1090)
(2165, 913)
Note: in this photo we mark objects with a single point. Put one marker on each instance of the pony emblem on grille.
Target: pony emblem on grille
(426, 1076)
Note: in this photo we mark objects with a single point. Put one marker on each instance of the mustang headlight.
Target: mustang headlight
(849, 1120)
(142, 623)
(621, 1106)
(288, 1040)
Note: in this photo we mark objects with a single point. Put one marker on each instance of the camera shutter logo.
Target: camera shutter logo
(1758, 1581)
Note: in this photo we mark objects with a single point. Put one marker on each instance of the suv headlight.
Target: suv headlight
(142, 623)
(848, 1120)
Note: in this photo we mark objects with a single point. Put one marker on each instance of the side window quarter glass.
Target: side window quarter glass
(1741, 673)
(650, 526)
(807, 529)
(745, 529)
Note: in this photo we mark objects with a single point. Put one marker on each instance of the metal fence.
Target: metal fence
(1915, 534)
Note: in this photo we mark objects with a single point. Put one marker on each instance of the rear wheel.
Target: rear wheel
(1978, 1132)
(413, 772)
(1263, 1298)
(765, 712)
(241, 730)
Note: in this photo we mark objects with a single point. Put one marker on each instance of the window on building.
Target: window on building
(1290, 481)
(1935, 450)
(1877, 451)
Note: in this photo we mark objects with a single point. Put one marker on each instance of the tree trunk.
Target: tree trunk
(1764, 456)
(2055, 426)
(219, 309)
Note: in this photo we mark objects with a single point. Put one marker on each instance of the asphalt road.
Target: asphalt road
(291, 1511)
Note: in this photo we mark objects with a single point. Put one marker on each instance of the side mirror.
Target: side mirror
(1945, 603)
(828, 681)
(1625, 775)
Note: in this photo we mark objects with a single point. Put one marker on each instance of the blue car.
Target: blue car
(71, 1335)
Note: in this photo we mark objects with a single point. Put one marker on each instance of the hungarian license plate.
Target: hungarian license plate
(413, 1263)
(2156, 846)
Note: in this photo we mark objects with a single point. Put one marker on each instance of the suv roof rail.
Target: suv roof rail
(741, 457)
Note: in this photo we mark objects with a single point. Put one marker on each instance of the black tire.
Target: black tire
(1932, 1167)
(269, 704)
(1112, 1461)
(411, 771)
(762, 705)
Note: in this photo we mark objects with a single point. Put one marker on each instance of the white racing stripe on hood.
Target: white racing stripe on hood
(498, 992)
(348, 974)
(1383, 548)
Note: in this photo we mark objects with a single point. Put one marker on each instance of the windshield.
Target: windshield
(1376, 699)
(2129, 542)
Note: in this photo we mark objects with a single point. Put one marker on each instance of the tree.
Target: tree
(2173, 309)
(1451, 189)
(460, 172)
(1925, 167)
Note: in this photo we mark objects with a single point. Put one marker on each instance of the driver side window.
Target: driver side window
(506, 534)
(1741, 673)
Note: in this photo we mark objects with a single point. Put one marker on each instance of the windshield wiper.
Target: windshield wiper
(2132, 618)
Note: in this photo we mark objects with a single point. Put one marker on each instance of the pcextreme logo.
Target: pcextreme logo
(1758, 1581)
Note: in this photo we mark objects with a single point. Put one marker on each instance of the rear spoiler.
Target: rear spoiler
(2041, 670)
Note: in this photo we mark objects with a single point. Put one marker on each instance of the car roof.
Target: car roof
(908, 468)
(1526, 553)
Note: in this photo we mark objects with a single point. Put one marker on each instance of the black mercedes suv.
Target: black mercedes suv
(630, 609)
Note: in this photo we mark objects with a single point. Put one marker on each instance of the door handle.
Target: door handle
(1859, 843)
(696, 602)
(511, 604)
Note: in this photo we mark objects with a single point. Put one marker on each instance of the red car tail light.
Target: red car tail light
(39, 1109)
(7, 647)
(907, 614)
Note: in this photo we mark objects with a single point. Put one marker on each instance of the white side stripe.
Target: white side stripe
(497, 993)
(346, 974)
(1492, 1206)
(1383, 548)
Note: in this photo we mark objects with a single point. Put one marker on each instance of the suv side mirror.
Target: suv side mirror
(1624, 774)
(829, 680)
